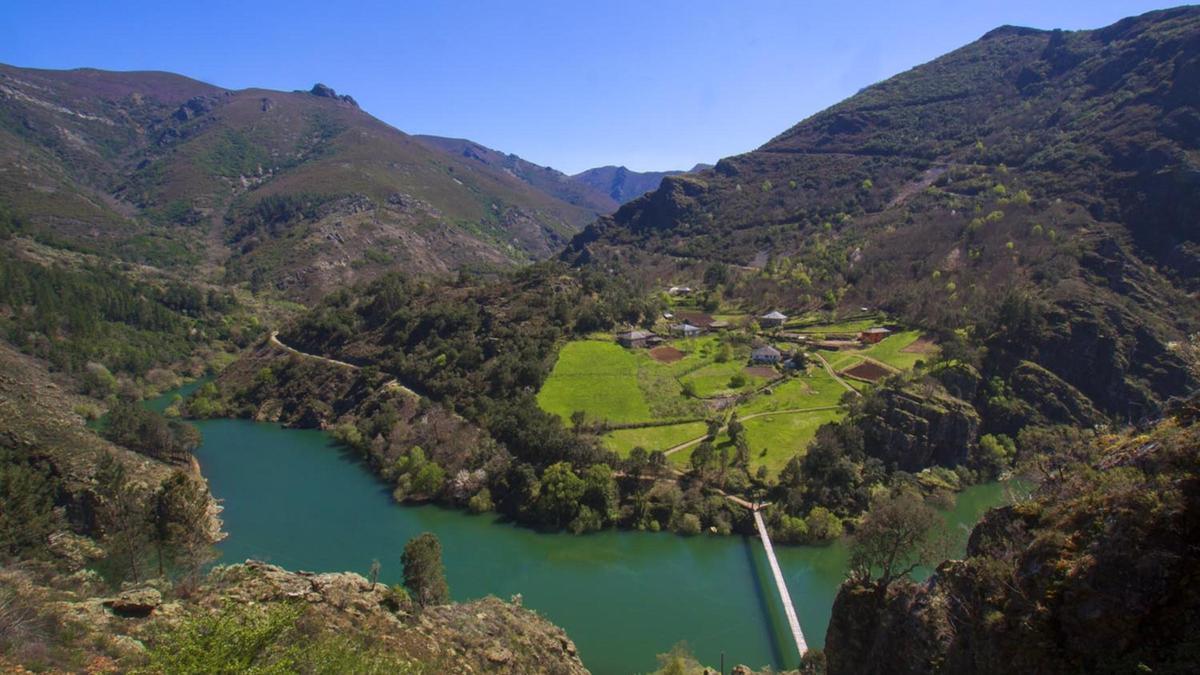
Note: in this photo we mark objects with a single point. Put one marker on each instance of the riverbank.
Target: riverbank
(293, 497)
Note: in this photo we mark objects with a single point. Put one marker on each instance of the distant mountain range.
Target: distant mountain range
(298, 190)
(622, 185)
(602, 189)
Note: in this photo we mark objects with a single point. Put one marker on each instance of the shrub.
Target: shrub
(822, 524)
(689, 524)
(481, 502)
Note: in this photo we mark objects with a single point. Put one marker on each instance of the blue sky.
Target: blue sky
(650, 84)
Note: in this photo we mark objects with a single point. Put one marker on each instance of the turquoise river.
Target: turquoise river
(293, 498)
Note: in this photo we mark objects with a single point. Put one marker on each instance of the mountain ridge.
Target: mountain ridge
(1061, 164)
(302, 191)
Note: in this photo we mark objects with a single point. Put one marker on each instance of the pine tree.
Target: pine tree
(424, 574)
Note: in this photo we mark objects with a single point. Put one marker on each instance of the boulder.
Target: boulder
(135, 602)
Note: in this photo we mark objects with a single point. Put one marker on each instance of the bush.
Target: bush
(250, 639)
(481, 502)
(823, 525)
(689, 524)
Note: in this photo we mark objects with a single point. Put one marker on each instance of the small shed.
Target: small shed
(765, 354)
(679, 290)
(773, 320)
(872, 336)
(686, 330)
(634, 338)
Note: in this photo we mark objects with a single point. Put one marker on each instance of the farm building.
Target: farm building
(873, 335)
(773, 320)
(679, 290)
(765, 354)
(635, 338)
(686, 330)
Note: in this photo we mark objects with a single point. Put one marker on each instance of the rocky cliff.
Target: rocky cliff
(128, 630)
(914, 430)
(1094, 573)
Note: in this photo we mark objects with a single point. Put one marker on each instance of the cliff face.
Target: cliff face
(914, 430)
(1095, 573)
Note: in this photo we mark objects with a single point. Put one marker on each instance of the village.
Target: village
(665, 387)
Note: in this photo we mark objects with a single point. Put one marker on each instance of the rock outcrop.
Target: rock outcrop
(914, 430)
(1095, 573)
(486, 635)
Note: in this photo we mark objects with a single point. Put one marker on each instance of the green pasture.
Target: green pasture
(622, 441)
(774, 439)
(597, 377)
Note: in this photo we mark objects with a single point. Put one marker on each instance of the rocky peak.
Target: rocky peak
(325, 91)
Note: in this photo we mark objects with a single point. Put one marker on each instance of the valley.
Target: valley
(284, 388)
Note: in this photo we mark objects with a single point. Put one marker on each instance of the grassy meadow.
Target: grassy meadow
(630, 386)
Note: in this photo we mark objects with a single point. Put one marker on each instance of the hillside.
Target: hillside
(302, 191)
(1092, 573)
(1059, 168)
(557, 184)
(622, 185)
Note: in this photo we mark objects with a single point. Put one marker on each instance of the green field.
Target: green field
(599, 378)
(713, 379)
(852, 326)
(652, 438)
(814, 389)
(889, 350)
(840, 361)
(611, 383)
(783, 436)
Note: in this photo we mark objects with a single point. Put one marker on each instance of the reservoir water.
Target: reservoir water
(293, 498)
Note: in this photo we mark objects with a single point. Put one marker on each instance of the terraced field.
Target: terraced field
(622, 386)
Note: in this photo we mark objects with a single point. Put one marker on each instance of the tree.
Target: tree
(428, 480)
(179, 523)
(600, 492)
(122, 516)
(894, 538)
(27, 494)
(637, 460)
(424, 574)
(724, 353)
(561, 491)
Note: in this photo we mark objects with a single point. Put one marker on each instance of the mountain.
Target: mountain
(300, 190)
(1048, 178)
(623, 185)
(601, 190)
(554, 183)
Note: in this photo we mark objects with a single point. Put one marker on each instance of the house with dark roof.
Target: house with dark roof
(765, 354)
(635, 338)
(773, 320)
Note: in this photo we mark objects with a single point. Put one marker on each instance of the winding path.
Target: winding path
(829, 369)
(390, 384)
